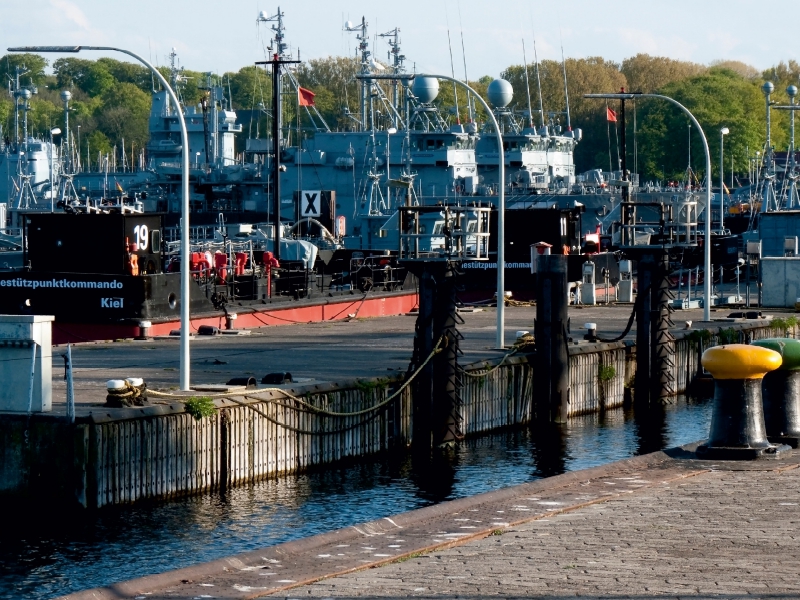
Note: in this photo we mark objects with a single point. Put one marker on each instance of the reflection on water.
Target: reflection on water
(50, 553)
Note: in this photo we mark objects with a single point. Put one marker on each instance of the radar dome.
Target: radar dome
(425, 89)
(500, 93)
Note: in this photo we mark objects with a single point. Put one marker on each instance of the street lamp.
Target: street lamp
(185, 281)
(390, 131)
(501, 197)
(707, 245)
(722, 133)
(53, 132)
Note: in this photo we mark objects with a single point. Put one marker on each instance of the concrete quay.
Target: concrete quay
(662, 525)
(318, 352)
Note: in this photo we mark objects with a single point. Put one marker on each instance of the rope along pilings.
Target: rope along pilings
(310, 407)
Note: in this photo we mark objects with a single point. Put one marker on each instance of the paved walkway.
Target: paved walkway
(722, 534)
(656, 526)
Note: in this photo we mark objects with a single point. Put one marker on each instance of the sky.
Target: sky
(224, 36)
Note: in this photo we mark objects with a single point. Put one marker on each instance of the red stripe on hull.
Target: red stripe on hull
(64, 333)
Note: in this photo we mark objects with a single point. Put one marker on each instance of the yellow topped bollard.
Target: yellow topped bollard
(740, 361)
(737, 430)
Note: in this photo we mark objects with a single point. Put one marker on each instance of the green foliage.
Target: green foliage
(728, 336)
(718, 98)
(96, 142)
(111, 101)
(125, 72)
(368, 386)
(250, 86)
(699, 336)
(784, 325)
(32, 63)
(648, 74)
(199, 407)
(125, 114)
(606, 373)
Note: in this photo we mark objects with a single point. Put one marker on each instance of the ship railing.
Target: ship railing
(11, 232)
(676, 225)
(463, 234)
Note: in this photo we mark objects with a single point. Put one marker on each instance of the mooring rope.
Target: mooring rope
(230, 395)
(491, 370)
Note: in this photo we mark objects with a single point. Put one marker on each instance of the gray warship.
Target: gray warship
(398, 150)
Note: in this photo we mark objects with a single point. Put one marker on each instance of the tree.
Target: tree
(646, 74)
(32, 65)
(91, 77)
(336, 75)
(742, 69)
(126, 72)
(718, 98)
(250, 86)
(94, 144)
(124, 114)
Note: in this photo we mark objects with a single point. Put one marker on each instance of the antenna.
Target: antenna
(152, 75)
(278, 28)
(527, 85)
(564, 69)
(470, 106)
(363, 46)
(396, 59)
(453, 74)
(538, 81)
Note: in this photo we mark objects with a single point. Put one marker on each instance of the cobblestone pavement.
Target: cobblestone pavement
(661, 525)
(721, 534)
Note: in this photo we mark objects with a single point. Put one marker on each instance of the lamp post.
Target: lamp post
(501, 197)
(707, 245)
(66, 95)
(53, 132)
(185, 281)
(389, 132)
(722, 133)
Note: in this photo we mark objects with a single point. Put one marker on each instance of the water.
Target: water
(45, 554)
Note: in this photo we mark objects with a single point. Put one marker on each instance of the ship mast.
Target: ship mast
(279, 59)
(363, 48)
(396, 60)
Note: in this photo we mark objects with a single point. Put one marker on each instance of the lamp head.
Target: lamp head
(724, 131)
(792, 91)
(767, 88)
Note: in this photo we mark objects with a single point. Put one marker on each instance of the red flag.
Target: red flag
(611, 115)
(305, 97)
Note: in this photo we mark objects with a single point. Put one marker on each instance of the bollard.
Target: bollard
(781, 393)
(738, 431)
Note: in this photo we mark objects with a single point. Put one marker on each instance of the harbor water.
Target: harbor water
(47, 552)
